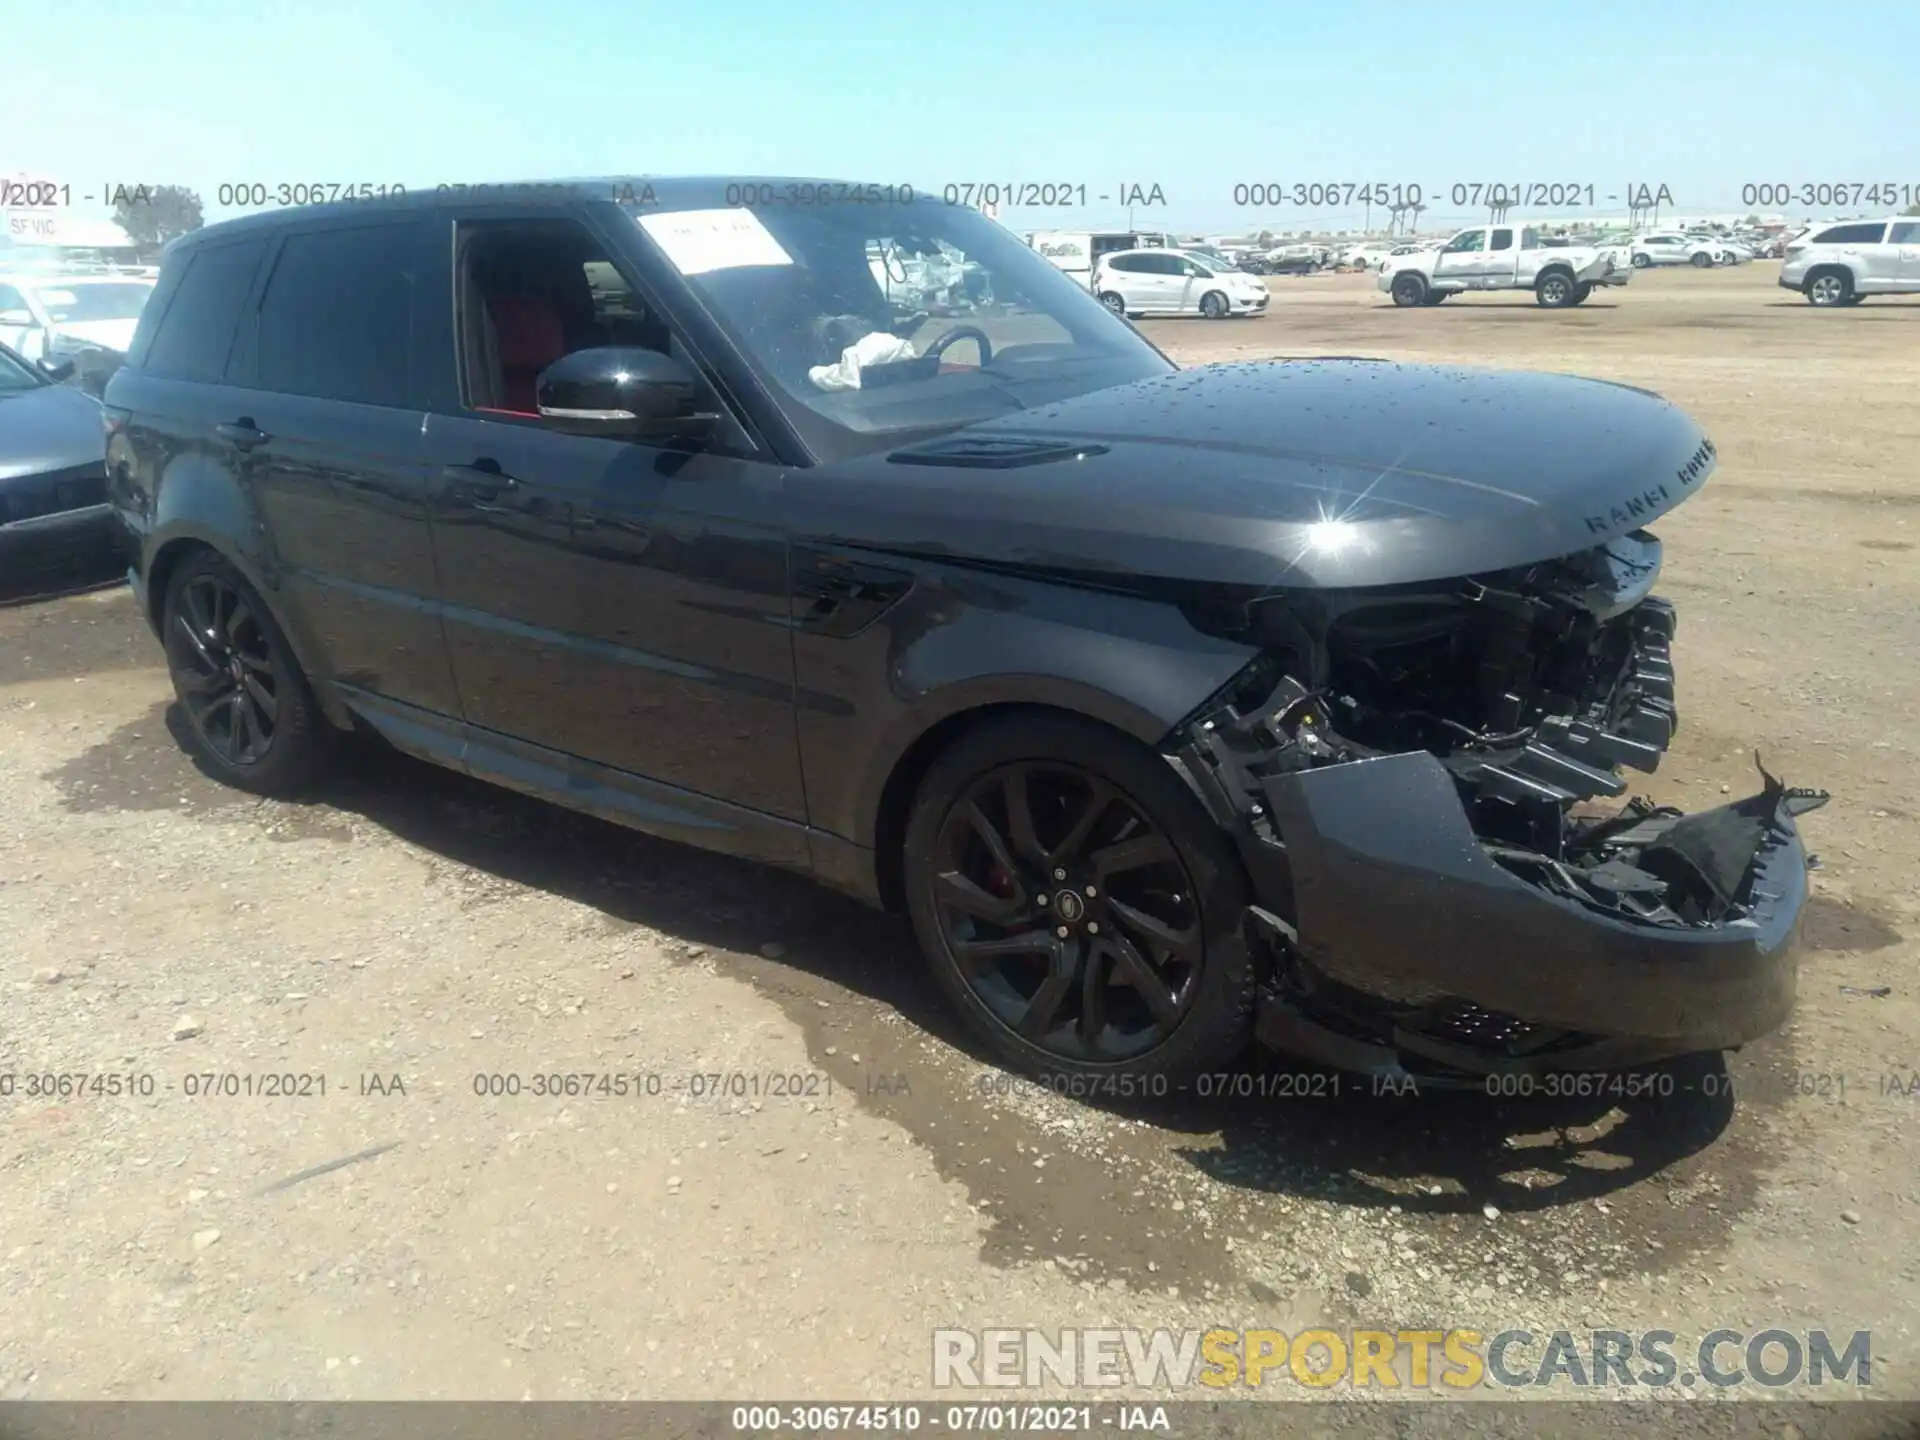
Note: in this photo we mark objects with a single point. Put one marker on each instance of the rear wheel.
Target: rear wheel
(1829, 287)
(1409, 290)
(1114, 303)
(1642, 262)
(1214, 305)
(1555, 290)
(251, 716)
(1077, 906)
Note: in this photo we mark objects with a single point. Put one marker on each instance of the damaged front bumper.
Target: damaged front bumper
(1408, 940)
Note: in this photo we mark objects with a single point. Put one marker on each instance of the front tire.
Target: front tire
(1702, 260)
(1214, 305)
(1408, 290)
(1581, 292)
(251, 717)
(1034, 825)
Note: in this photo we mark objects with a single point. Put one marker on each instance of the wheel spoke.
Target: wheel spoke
(244, 737)
(1183, 945)
(187, 626)
(1029, 942)
(961, 893)
(259, 664)
(991, 838)
(1020, 817)
(1093, 991)
(1149, 849)
(262, 697)
(1132, 968)
(1037, 1019)
(1101, 797)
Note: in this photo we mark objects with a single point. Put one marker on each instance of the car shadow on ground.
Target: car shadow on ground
(1280, 1127)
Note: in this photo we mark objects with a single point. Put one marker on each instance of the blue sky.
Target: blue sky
(1701, 97)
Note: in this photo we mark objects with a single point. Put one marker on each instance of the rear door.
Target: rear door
(1500, 265)
(327, 424)
(1903, 236)
(1128, 277)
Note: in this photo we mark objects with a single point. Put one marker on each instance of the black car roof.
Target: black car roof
(668, 192)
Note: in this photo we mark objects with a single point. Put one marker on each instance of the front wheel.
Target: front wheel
(1077, 906)
(1581, 292)
(1702, 260)
(1114, 303)
(1214, 305)
(1408, 290)
(252, 720)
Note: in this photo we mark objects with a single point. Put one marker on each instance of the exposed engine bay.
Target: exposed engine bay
(1522, 694)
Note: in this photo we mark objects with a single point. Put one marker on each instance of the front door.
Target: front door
(609, 601)
(1463, 258)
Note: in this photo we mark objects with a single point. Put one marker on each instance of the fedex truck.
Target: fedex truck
(1078, 251)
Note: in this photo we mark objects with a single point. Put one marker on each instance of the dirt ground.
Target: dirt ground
(413, 930)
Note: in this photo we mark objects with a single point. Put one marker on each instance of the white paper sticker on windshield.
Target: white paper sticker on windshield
(697, 241)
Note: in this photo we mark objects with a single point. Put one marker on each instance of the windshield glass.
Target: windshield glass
(75, 302)
(16, 374)
(882, 320)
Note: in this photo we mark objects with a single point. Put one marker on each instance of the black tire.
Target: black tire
(1701, 260)
(1829, 287)
(251, 717)
(1855, 298)
(1581, 292)
(1177, 999)
(1215, 306)
(1555, 290)
(1437, 297)
(1408, 290)
(1114, 303)
(1643, 262)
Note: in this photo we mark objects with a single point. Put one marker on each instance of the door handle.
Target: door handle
(478, 484)
(242, 434)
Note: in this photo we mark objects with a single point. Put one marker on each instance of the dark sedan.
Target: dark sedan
(1172, 706)
(53, 501)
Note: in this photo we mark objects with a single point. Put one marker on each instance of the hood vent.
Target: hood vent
(982, 452)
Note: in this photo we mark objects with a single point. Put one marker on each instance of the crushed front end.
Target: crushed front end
(1418, 778)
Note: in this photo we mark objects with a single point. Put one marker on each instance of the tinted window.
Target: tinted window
(1850, 235)
(1906, 232)
(335, 320)
(1127, 264)
(1470, 242)
(1159, 264)
(1502, 240)
(197, 330)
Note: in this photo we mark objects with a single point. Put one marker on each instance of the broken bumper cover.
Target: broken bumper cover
(1394, 896)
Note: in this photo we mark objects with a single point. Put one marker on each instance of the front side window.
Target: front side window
(1471, 243)
(868, 319)
(197, 331)
(335, 320)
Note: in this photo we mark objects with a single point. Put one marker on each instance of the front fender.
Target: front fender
(963, 641)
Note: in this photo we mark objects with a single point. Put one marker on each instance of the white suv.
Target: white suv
(1843, 264)
(1670, 247)
(1176, 282)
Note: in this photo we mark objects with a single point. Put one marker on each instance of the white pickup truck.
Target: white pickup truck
(1502, 257)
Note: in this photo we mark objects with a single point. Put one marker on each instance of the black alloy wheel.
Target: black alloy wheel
(250, 714)
(1079, 915)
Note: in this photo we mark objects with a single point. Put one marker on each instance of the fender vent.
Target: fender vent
(980, 452)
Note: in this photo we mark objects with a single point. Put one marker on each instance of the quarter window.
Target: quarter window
(196, 333)
(1905, 232)
(1850, 235)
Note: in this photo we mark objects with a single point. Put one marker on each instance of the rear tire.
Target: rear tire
(251, 717)
(1642, 262)
(1581, 292)
(1555, 290)
(1155, 979)
(1114, 303)
(1828, 288)
(1409, 290)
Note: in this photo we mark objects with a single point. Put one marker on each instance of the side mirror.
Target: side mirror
(622, 393)
(57, 369)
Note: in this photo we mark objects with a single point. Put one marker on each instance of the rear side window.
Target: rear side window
(1502, 240)
(1850, 235)
(1126, 264)
(195, 332)
(336, 317)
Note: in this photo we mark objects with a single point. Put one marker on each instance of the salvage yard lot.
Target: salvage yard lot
(411, 931)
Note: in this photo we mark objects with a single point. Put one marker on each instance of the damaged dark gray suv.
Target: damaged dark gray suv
(831, 526)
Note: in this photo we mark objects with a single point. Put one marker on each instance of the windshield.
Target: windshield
(883, 320)
(16, 374)
(76, 303)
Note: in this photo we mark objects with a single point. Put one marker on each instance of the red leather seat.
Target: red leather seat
(527, 338)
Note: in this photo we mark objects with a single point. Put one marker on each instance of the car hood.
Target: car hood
(50, 427)
(1306, 473)
(109, 334)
